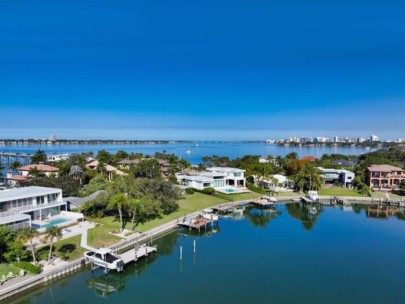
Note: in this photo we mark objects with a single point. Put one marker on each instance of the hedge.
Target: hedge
(28, 266)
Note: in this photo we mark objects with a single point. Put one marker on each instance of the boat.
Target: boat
(188, 151)
(104, 257)
(313, 196)
(271, 199)
(209, 215)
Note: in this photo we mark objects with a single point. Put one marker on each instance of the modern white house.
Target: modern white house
(19, 207)
(57, 157)
(337, 176)
(223, 179)
(277, 182)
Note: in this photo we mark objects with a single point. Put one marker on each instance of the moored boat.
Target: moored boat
(104, 257)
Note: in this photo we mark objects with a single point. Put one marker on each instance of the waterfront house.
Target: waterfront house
(384, 177)
(41, 167)
(337, 177)
(276, 182)
(223, 179)
(14, 180)
(109, 170)
(127, 163)
(57, 157)
(20, 206)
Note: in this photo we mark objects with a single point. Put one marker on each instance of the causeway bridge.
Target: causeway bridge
(8, 158)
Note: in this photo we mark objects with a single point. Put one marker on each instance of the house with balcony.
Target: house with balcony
(20, 207)
(384, 177)
(337, 177)
(223, 179)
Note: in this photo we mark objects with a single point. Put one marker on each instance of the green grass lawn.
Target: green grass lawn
(99, 236)
(69, 249)
(339, 191)
(245, 196)
(6, 268)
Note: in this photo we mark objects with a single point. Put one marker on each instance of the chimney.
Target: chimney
(9, 174)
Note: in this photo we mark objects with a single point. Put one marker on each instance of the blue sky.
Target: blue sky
(202, 69)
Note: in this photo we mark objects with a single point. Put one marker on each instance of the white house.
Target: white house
(337, 176)
(223, 179)
(20, 206)
(57, 157)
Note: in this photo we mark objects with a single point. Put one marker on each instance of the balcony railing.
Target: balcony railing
(29, 208)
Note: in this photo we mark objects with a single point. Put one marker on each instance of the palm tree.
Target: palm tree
(34, 172)
(312, 176)
(52, 233)
(134, 206)
(15, 165)
(118, 202)
(28, 234)
(38, 157)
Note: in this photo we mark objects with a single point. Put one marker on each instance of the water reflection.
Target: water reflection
(208, 232)
(260, 217)
(105, 285)
(307, 214)
(383, 211)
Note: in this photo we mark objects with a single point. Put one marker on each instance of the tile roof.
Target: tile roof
(383, 168)
(40, 167)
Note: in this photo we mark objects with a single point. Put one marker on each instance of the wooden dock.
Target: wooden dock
(261, 203)
(196, 222)
(138, 252)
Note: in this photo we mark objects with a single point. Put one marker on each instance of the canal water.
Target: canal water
(297, 255)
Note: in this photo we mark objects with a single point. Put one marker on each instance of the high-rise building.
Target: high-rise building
(52, 137)
(374, 138)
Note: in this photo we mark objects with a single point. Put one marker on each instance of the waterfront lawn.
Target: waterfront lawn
(100, 236)
(340, 191)
(245, 196)
(68, 249)
(6, 268)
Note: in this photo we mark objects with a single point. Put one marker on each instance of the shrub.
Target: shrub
(209, 191)
(190, 191)
(254, 188)
(29, 267)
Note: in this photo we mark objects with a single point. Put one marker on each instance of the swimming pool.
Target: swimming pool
(52, 222)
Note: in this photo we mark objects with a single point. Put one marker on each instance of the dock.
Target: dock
(196, 222)
(229, 207)
(306, 200)
(261, 203)
(138, 252)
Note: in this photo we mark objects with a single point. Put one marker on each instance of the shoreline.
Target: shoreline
(145, 237)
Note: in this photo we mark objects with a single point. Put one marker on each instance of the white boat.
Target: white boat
(104, 258)
(313, 196)
(209, 215)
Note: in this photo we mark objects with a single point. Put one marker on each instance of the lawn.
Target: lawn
(245, 196)
(339, 191)
(6, 268)
(99, 236)
(69, 249)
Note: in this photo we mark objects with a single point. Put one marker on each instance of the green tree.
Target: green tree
(53, 232)
(134, 208)
(148, 168)
(118, 202)
(38, 157)
(6, 239)
(1, 170)
(402, 184)
(104, 157)
(35, 172)
(28, 234)
(15, 165)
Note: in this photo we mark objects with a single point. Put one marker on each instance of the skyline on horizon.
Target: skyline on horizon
(206, 70)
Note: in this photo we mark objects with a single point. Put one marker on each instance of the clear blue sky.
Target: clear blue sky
(202, 69)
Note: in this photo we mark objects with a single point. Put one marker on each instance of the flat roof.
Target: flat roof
(225, 169)
(25, 192)
(14, 218)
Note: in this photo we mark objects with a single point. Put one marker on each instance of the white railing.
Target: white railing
(18, 210)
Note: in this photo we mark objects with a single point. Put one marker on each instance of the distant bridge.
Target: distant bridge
(8, 158)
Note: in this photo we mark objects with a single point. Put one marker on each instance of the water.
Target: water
(231, 149)
(51, 223)
(292, 257)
